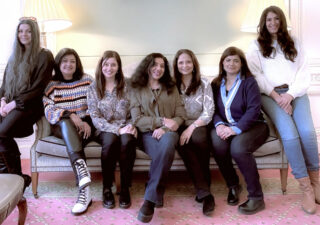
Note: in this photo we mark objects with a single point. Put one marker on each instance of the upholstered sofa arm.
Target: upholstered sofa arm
(42, 129)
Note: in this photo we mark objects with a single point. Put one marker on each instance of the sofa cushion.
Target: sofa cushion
(52, 145)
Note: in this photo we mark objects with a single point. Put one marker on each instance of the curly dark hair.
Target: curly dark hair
(140, 77)
(196, 77)
(58, 59)
(285, 41)
(245, 72)
(100, 79)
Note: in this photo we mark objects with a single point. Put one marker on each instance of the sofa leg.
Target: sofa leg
(34, 179)
(284, 178)
(117, 180)
(23, 210)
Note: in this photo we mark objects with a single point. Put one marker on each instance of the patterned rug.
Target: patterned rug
(57, 198)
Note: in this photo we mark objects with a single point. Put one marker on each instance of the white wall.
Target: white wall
(10, 12)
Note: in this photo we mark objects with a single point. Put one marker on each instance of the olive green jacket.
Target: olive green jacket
(147, 109)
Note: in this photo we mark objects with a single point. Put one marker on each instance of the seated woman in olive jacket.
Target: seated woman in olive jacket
(157, 112)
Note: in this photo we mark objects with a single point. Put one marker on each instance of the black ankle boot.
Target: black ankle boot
(233, 195)
(108, 199)
(251, 206)
(124, 199)
(146, 211)
(208, 205)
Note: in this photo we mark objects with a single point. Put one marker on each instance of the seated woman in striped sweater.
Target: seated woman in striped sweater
(65, 103)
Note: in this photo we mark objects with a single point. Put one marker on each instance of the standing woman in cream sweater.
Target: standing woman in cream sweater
(279, 64)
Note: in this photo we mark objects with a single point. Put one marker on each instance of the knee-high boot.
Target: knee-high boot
(308, 200)
(314, 178)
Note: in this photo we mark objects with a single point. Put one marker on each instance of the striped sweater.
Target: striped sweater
(63, 96)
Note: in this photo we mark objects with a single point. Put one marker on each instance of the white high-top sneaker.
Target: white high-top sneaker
(82, 173)
(83, 202)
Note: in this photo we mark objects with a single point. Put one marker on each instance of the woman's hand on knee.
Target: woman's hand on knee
(77, 122)
(86, 129)
(157, 133)
(186, 135)
(171, 124)
(7, 108)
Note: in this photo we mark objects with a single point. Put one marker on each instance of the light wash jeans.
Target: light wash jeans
(297, 134)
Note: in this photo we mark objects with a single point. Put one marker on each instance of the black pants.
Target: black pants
(196, 156)
(75, 144)
(115, 148)
(16, 124)
(240, 148)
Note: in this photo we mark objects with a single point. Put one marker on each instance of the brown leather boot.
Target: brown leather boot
(314, 178)
(308, 199)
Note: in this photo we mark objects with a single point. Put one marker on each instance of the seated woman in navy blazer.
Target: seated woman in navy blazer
(239, 128)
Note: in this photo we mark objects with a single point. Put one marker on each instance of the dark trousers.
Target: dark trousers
(75, 144)
(16, 124)
(196, 157)
(240, 148)
(115, 148)
(161, 153)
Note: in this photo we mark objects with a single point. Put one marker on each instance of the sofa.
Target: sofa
(48, 154)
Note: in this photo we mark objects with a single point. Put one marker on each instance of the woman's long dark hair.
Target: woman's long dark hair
(195, 81)
(101, 80)
(58, 59)
(245, 72)
(140, 77)
(285, 41)
(22, 60)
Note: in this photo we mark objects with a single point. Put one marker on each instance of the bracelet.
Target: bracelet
(195, 125)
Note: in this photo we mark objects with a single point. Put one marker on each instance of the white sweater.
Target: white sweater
(277, 70)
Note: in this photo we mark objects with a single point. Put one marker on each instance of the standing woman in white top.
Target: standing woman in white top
(280, 67)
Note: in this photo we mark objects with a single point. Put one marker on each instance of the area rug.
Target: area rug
(57, 198)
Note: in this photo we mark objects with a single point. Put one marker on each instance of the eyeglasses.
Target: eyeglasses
(34, 19)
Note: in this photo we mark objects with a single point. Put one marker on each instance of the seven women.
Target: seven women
(239, 128)
(157, 112)
(279, 64)
(65, 105)
(275, 58)
(194, 149)
(27, 74)
(109, 109)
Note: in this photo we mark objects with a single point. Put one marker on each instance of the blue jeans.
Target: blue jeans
(297, 134)
(161, 153)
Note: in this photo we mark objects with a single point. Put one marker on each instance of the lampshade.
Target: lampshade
(50, 14)
(255, 10)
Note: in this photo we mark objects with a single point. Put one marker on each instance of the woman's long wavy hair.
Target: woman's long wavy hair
(196, 77)
(22, 61)
(285, 41)
(58, 59)
(101, 80)
(140, 77)
(245, 72)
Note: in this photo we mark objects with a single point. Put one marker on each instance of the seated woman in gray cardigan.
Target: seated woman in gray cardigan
(157, 111)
